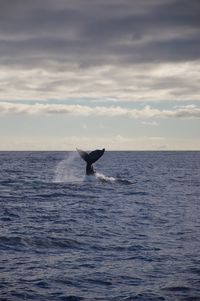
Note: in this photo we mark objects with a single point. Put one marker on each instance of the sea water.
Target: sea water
(132, 232)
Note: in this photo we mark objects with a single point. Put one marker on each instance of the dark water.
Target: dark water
(133, 234)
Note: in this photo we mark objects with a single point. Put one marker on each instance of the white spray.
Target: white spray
(67, 169)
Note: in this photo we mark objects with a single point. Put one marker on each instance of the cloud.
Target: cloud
(190, 111)
(92, 32)
(144, 82)
(132, 50)
(100, 32)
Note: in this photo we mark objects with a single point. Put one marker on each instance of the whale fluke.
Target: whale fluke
(90, 159)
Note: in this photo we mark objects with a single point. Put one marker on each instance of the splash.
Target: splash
(99, 177)
(104, 178)
(67, 169)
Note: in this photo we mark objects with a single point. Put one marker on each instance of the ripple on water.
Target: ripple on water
(21, 242)
(134, 236)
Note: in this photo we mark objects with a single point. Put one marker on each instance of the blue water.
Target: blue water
(131, 233)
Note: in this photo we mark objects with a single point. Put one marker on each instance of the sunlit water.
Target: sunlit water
(132, 232)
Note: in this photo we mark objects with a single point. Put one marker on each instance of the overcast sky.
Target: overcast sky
(119, 74)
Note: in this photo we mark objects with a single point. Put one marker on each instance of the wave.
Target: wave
(21, 242)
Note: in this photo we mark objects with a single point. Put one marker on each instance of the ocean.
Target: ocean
(132, 232)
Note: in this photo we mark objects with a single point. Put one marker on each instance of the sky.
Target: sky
(119, 74)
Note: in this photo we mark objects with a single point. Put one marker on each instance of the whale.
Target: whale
(91, 158)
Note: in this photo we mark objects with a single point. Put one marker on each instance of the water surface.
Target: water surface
(132, 233)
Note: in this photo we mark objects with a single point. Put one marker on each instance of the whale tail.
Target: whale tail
(90, 158)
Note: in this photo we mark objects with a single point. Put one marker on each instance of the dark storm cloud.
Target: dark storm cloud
(99, 32)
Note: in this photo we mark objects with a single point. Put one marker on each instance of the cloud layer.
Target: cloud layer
(145, 82)
(121, 49)
(100, 32)
(189, 111)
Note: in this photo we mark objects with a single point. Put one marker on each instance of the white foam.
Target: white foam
(99, 177)
(104, 178)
